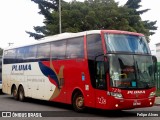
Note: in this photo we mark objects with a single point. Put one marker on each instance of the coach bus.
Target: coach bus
(104, 69)
(0, 73)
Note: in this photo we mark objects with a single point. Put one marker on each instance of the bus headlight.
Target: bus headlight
(152, 94)
(116, 95)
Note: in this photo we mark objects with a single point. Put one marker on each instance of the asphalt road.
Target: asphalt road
(45, 110)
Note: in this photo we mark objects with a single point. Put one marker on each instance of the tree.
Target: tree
(46, 7)
(1, 51)
(92, 14)
(146, 27)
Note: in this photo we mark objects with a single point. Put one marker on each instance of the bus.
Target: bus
(0, 73)
(104, 69)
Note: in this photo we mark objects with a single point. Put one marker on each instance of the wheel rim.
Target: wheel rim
(21, 95)
(14, 93)
(80, 102)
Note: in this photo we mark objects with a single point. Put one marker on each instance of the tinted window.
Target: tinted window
(20, 53)
(126, 43)
(43, 50)
(0, 66)
(58, 49)
(94, 46)
(10, 53)
(30, 52)
(75, 48)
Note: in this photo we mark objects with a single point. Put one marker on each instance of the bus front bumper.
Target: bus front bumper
(122, 104)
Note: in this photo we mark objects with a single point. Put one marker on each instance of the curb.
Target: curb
(157, 101)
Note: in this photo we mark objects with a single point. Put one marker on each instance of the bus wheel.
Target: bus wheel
(15, 93)
(21, 94)
(78, 102)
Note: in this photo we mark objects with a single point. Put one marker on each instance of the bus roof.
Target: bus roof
(72, 35)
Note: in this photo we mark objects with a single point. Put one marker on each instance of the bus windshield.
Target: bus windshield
(131, 71)
(130, 62)
(126, 43)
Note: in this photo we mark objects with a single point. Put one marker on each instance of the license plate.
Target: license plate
(136, 103)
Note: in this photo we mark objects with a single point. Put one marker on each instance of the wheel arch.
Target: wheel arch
(13, 85)
(76, 90)
(21, 93)
(20, 85)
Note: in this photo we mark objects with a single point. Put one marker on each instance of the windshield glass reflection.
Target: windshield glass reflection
(120, 43)
(131, 71)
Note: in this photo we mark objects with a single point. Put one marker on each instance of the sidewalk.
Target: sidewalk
(157, 101)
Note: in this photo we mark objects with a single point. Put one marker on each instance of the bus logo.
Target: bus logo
(54, 77)
(21, 67)
(136, 92)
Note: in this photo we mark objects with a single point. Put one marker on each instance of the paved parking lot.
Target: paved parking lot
(51, 110)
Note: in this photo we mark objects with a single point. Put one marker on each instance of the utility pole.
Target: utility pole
(10, 44)
(60, 24)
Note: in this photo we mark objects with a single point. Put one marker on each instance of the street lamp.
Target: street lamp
(60, 25)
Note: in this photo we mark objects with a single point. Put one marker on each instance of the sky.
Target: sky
(18, 16)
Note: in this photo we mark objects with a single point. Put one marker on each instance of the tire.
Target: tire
(15, 93)
(78, 102)
(21, 94)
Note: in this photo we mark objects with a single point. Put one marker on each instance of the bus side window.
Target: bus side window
(75, 48)
(58, 49)
(20, 54)
(94, 48)
(43, 51)
(9, 56)
(30, 52)
(10, 53)
(0, 66)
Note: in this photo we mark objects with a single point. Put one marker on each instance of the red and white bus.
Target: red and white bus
(105, 69)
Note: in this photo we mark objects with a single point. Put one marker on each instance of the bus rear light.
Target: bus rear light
(150, 103)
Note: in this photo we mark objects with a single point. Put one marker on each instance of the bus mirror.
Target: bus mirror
(154, 63)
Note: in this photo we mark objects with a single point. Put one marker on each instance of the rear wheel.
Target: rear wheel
(78, 102)
(21, 94)
(15, 93)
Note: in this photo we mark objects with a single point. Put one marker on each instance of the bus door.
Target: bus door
(101, 83)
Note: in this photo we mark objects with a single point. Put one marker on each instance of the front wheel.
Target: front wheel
(78, 102)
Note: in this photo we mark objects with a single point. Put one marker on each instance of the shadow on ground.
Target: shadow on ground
(1, 93)
(67, 110)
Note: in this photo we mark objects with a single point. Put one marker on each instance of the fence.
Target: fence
(157, 76)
